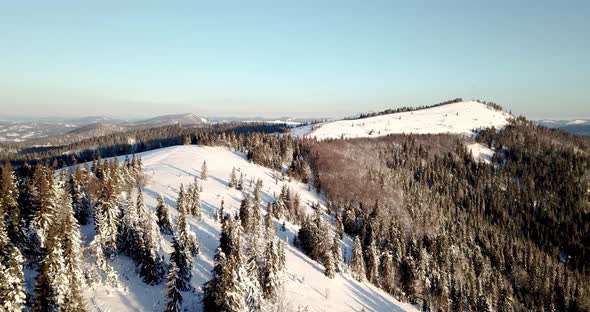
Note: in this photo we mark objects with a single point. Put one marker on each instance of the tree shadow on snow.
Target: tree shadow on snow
(167, 200)
(220, 181)
(370, 298)
(181, 170)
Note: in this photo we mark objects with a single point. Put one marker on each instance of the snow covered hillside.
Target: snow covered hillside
(305, 284)
(458, 118)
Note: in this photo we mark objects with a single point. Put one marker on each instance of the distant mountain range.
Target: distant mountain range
(577, 126)
(60, 129)
(54, 130)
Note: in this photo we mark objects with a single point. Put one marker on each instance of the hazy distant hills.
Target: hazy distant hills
(53, 130)
(578, 126)
(60, 129)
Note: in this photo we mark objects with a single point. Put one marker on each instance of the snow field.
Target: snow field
(305, 285)
(456, 118)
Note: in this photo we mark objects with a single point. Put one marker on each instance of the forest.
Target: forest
(431, 225)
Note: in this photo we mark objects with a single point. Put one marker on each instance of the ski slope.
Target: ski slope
(455, 118)
(305, 284)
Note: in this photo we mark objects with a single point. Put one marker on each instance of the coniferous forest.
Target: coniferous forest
(430, 224)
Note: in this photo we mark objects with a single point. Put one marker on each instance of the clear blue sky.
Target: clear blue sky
(296, 58)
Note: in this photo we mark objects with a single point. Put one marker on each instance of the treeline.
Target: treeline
(121, 143)
(404, 109)
(436, 228)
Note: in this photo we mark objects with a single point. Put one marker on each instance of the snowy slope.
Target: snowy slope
(457, 118)
(481, 152)
(305, 285)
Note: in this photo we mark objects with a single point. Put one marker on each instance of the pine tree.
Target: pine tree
(268, 223)
(108, 273)
(151, 264)
(12, 289)
(245, 213)
(233, 180)
(357, 262)
(373, 264)
(204, 171)
(181, 201)
(107, 212)
(9, 208)
(163, 214)
(387, 275)
(195, 201)
(173, 296)
(337, 254)
(214, 289)
(272, 271)
(230, 289)
(237, 292)
(240, 185)
(44, 216)
(181, 258)
(130, 236)
(251, 284)
(329, 266)
(187, 239)
(339, 226)
(282, 256)
(52, 284)
(80, 200)
(72, 255)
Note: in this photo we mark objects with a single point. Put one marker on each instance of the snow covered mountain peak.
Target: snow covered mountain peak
(457, 118)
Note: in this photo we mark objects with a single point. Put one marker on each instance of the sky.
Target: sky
(291, 58)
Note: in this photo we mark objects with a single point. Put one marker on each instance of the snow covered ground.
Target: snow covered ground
(305, 286)
(457, 118)
(481, 152)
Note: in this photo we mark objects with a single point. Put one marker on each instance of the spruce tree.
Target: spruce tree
(204, 172)
(240, 184)
(187, 239)
(339, 226)
(52, 284)
(387, 273)
(80, 200)
(373, 264)
(195, 201)
(163, 214)
(44, 216)
(233, 180)
(221, 211)
(337, 254)
(268, 222)
(130, 237)
(272, 271)
(357, 262)
(329, 266)
(72, 255)
(236, 293)
(213, 292)
(183, 262)
(9, 208)
(245, 213)
(12, 280)
(107, 212)
(173, 296)
(151, 264)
